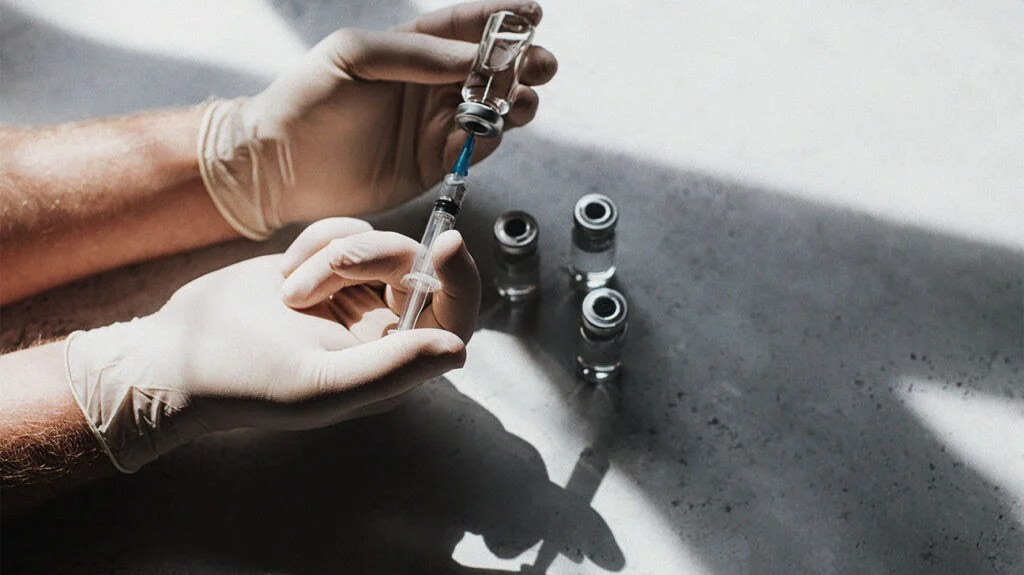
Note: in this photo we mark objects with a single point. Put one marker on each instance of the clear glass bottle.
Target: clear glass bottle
(517, 273)
(602, 334)
(489, 89)
(593, 242)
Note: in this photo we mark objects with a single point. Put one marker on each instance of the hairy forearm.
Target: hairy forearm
(46, 445)
(81, 198)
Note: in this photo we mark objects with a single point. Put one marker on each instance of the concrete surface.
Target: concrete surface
(821, 244)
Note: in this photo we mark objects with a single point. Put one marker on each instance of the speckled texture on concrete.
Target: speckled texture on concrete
(770, 419)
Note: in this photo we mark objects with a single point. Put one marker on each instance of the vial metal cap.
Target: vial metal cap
(516, 233)
(479, 119)
(596, 213)
(604, 312)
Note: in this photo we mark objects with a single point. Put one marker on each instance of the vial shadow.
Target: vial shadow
(768, 336)
(771, 341)
(393, 493)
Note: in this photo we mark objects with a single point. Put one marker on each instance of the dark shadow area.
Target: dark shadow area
(769, 338)
(388, 494)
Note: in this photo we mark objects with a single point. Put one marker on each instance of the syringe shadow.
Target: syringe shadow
(388, 494)
(769, 339)
(769, 346)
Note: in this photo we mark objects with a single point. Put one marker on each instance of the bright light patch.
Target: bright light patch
(240, 35)
(472, 551)
(987, 432)
(526, 390)
(909, 111)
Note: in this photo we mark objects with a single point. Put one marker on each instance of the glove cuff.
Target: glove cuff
(126, 392)
(243, 171)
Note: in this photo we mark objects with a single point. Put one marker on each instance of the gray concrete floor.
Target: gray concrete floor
(812, 386)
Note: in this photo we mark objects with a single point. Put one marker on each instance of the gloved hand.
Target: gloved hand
(362, 123)
(227, 352)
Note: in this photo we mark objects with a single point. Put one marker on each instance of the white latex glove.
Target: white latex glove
(362, 123)
(227, 352)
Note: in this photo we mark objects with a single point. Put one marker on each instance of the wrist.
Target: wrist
(127, 380)
(244, 168)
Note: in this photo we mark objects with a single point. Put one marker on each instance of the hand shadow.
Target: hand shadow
(770, 347)
(767, 349)
(393, 493)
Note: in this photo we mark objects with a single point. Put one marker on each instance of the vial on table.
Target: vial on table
(593, 242)
(602, 334)
(490, 87)
(517, 273)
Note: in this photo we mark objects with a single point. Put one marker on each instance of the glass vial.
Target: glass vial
(602, 334)
(490, 87)
(517, 273)
(593, 242)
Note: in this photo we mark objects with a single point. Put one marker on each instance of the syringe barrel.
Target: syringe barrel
(421, 279)
(414, 303)
(422, 271)
(442, 219)
(450, 193)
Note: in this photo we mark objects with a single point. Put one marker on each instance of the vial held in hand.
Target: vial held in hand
(490, 88)
(517, 273)
(495, 73)
(602, 334)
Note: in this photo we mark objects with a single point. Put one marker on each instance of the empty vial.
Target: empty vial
(517, 272)
(602, 334)
(490, 87)
(593, 242)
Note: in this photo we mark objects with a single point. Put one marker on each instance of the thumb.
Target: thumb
(387, 367)
(397, 56)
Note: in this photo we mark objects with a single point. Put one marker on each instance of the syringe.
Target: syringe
(422, 281)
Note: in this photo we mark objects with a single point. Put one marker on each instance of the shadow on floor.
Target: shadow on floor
(389, 494)
(769, 341)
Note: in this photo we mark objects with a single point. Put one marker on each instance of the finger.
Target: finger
(316, 236)
(363, 311)
(397, 56)
(369, 256)
(540, 66)
(456, 305)
(466, 22)
(387, 367)
(524, 108)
